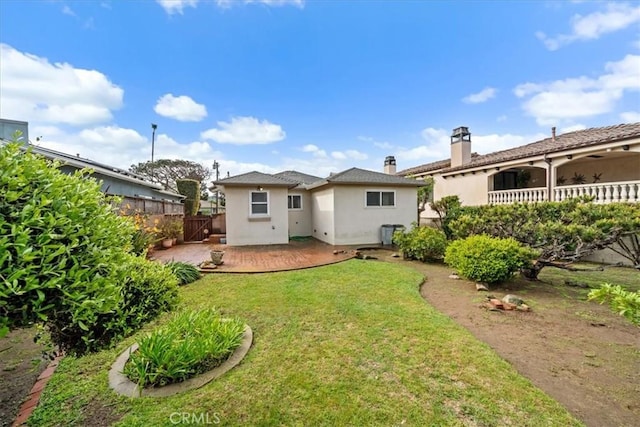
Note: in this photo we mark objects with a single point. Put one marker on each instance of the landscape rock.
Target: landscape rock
(481, 287)
(454, 277)
(513, 299)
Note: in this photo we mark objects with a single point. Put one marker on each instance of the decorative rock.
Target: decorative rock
(481, 287)
(454, 277)
(496, 303)
(395, 255)
(513, 299)
(523, 307)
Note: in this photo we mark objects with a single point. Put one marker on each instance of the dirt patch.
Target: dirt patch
(578, 352)
(21, 361)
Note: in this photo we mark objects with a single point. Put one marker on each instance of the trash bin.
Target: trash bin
(386, 234)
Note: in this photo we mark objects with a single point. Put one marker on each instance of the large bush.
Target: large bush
(562, 231)
(421, 243)
(190, 188)
(64, 254)
(488, 259)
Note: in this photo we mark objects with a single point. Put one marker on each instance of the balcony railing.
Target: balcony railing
(626, 191)
(502, 197)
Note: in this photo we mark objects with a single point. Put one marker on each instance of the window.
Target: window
(294, 201)
(381, 198)
(259, 203)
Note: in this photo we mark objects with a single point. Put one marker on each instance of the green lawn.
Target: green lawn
(347, 344)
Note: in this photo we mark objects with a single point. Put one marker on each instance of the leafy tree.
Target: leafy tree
(562, 232)
(167, 172)
(447, 209)
(425, 194)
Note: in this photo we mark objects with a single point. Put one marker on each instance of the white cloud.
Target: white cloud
(630, 116)
(121, 147)
(349, 154)
(483, 96)
(502, 118)
(315, 150)
(68, 11)
(181, 108)
(244, 131)
(616, 17)
(438, 145)
(562, 101)
(176, 6)
(36, 90)
(383, 145)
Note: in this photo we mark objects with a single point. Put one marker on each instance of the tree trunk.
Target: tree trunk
(532, 272)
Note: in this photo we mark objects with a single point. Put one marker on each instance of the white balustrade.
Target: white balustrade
(521, 195)
(607, 192)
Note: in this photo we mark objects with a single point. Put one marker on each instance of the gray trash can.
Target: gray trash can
(386, 234)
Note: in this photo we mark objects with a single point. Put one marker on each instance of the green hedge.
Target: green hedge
(421, 243)
(190, 188)
(487, 259)
(64, 256)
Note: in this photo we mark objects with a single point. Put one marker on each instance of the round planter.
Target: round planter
(167, 243)
(124, 386)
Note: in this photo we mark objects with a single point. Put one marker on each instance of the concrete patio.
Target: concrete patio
(261, 258)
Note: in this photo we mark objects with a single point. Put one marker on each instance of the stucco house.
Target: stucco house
(600, 162)
(346, 208)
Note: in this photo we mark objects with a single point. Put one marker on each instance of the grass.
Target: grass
(347, 344)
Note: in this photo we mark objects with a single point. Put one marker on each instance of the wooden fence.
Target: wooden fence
(198, 228)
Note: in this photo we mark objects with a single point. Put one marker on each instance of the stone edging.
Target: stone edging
(124, 386)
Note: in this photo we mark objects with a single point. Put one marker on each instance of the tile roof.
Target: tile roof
(256, 178)
(362, 176)
(298, 177)
(578, 139)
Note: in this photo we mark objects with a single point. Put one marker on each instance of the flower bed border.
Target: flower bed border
(124, 386)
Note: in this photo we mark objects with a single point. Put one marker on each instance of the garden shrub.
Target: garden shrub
(191, 189)
(487, 259)
(64, 256)
(185, 272)
(191, 343)
(421, 243)
(625, 303)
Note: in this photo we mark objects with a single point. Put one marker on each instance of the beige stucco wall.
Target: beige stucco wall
(242, 229)
(322, 215)
(357, 224)
(300, 220)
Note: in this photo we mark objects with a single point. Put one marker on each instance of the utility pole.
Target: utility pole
(153, 144)
(216, 166)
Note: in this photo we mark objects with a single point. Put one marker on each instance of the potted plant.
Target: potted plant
(166, 231)
(175, 230)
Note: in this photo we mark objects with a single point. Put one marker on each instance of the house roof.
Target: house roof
(298, 177)
(256, 178)
(578, 139)
(100, 168)
(362, 176)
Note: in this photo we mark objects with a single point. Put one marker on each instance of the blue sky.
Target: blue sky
(316, 86)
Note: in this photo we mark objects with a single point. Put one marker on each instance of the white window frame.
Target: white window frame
(252, 203)
(290, 198)
(380, 206)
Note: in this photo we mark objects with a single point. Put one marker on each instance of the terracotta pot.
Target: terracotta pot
(167, 243)
(174, 241)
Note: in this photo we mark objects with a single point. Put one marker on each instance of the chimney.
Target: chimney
(390, 165)
(460, 146)
(553, 134)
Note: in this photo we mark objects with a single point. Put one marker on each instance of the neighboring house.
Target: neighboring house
(136, 192)
(345, 208)
(600, 162)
